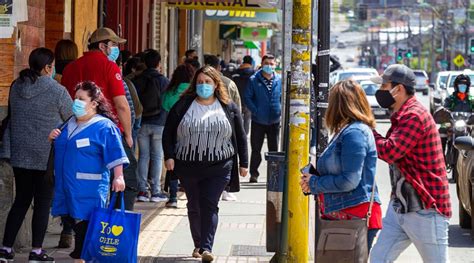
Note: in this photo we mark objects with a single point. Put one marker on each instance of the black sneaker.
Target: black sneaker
(5, 256)
(253, 179)
(43, 257)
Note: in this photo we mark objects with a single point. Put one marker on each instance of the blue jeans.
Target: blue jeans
(174, 190)
(151, 148)
(426, 229)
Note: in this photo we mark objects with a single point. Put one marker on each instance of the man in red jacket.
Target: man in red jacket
(98, 65)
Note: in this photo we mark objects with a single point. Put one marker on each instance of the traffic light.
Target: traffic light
(409, 54)
(471, 45)
(399, 55)
(362, 12)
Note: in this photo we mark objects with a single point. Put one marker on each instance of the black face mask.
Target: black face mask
(384, 98)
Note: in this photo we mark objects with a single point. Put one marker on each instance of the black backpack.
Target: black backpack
(149, 92)
(241, 79)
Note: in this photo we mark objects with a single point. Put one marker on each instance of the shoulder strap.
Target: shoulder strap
(372, 198)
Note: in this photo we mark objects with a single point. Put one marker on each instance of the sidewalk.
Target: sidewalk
(165, 234)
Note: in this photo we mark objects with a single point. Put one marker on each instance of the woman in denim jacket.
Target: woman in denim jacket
(346, 169)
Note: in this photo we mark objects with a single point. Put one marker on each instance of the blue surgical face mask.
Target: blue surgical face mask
(267, 69)
(462, 88)
(114, 54)
(204, 90)
(79, 108)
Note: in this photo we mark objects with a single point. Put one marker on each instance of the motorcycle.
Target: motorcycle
(457, 124)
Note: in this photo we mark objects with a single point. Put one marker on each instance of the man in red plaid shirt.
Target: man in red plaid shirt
(420, 206)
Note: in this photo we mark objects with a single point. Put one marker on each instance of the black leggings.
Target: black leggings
(29, 185)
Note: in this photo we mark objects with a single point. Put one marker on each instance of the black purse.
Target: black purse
(49, 175)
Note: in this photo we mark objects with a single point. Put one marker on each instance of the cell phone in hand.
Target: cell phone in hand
(308, 169)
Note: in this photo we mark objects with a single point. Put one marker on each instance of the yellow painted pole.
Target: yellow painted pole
(298, 149)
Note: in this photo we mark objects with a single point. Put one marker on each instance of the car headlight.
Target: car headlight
(459, 125)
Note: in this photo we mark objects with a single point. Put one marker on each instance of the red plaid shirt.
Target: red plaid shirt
(414, 145)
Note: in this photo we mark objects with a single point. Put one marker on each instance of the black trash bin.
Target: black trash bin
(276, 170)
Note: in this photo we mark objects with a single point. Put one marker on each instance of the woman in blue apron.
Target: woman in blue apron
(86, 150)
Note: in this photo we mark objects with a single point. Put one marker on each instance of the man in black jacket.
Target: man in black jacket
(241, 79)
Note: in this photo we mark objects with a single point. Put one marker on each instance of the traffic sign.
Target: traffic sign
(459, 60)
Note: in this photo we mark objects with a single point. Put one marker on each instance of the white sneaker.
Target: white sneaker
(226, 196)
(159, 198)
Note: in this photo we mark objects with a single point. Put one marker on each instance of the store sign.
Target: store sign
(245, 5)
(255, 34)
(228, 32)
(242, 16)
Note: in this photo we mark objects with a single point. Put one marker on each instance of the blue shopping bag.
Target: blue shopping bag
(112, 235)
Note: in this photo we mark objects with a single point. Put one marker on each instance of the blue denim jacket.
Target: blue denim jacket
(347, 169)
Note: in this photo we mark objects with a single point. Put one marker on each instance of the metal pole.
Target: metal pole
(420, 35)
(322, 81)
(433, 51)
(298, 153)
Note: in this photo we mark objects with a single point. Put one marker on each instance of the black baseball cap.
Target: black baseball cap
(397, 73)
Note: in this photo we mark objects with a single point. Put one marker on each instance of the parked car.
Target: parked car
(422, 81)
(344, 74)
(370, 88)
(438, 90)
(465, 181)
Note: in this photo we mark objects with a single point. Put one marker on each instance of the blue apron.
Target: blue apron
(84, 156)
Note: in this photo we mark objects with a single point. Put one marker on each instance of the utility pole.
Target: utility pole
(299, 125)
(322, 87)
(433, 50)
(420, 35)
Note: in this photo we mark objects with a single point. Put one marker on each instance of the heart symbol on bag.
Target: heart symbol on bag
(117, 230)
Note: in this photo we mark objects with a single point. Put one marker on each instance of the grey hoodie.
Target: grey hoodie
(36, 109)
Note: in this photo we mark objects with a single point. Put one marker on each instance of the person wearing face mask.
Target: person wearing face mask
(87, 149)
(98, 65)
(263, 98)
(37, 104)
(460, 101)
(205, 144)
(420, 205)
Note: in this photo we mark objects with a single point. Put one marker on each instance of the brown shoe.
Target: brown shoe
(207, 256)
(196, 253)
(65, 241)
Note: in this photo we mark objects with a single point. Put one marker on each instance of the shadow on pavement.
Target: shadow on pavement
(459, 237)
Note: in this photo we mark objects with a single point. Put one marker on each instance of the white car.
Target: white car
(344, 74)
(370, 88)
(439, 92)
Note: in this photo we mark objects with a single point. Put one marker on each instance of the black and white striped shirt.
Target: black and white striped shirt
(204, 134)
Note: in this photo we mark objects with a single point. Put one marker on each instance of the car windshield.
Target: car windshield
(370, 89)
(347, 75)
(453, 77)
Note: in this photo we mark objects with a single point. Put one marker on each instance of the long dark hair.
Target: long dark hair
(38, 59)
(103, 106)
(182, 74)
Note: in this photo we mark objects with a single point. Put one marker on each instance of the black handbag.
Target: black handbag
(49, 175)
(343, 241)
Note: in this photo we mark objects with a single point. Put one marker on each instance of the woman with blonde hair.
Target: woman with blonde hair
(202, 138)
(346, 169)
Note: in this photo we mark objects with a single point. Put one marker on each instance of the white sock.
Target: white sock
(37, 251)
(8, 249)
